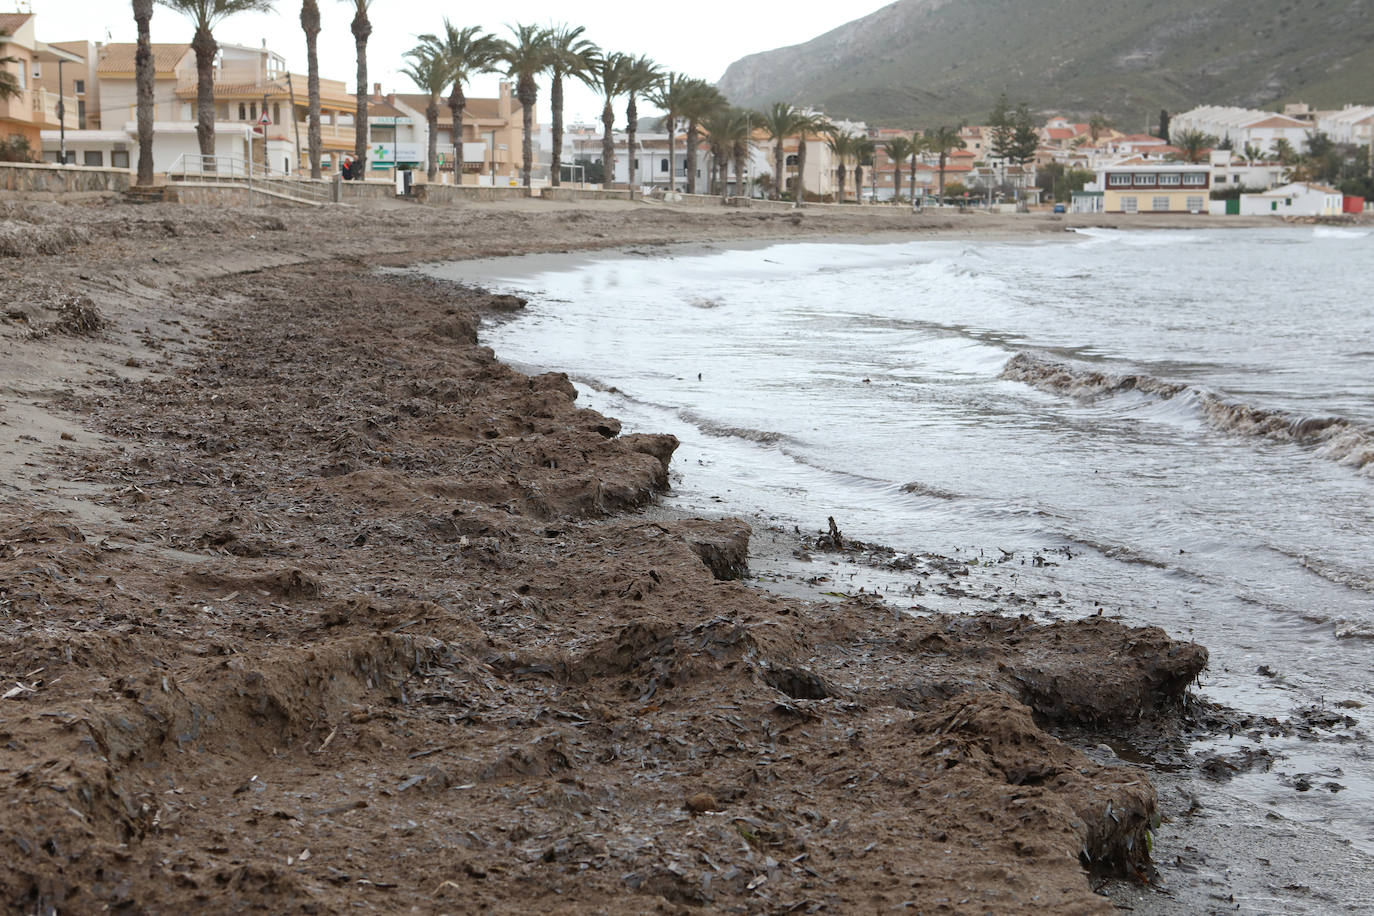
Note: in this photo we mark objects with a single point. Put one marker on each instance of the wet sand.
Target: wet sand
(311, 605)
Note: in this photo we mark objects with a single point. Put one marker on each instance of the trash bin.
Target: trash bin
(405, 180)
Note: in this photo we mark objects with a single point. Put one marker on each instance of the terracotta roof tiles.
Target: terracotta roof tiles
(11, 22)
(118, 58)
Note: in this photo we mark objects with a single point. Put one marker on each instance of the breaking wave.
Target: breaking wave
(725, 431)
(1334, 438)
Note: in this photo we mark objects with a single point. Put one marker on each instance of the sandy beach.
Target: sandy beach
(310, 604)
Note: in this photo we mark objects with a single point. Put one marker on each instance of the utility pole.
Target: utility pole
(61, 116)
(292, 91)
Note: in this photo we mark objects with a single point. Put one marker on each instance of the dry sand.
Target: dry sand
(309, 604)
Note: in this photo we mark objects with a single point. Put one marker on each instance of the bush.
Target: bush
(17, 149)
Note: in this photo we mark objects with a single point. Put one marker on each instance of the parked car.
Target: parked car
(1060, 208)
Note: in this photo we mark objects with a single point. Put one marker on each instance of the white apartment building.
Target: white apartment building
(1352, 124)
(1244, 127)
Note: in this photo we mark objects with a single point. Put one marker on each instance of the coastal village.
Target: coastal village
(1218, 160)
(413, 503)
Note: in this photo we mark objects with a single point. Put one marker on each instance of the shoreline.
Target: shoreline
(611, 650)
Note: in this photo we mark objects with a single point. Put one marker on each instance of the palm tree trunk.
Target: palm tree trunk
(692, 143)
(801, 171)
(631, 132)
(432, 120)
(205, 47)
(528, 93)
(672, 154)
(457, 103)
(858, 184)
(723, 168)
(556, 99)
(607, 146)
(779, 169)
(913, 177)
(897, 183)
(942, 177)
(840, 173)
(143, 66)
(362, 30)
(310, 23)
(741, 190)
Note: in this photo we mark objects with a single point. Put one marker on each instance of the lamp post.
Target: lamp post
(61, 117)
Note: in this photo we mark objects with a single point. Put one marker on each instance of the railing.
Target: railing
(235, 170)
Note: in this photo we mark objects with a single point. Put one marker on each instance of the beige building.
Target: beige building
(492, 134)
(35, 108)
(1152, 186)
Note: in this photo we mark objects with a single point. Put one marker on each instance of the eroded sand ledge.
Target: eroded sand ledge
(320, 604)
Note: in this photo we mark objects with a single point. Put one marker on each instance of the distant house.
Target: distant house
(1151, 186)
(1301, 199)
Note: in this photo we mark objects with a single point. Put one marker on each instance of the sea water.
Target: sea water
(1186, 417)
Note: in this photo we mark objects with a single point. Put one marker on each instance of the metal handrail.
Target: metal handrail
(225, 169)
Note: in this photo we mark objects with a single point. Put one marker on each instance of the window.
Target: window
(95, 157)
(243, 112)
(1221, 179)
(119, 159)
(276, 112)
(37, 70)
(1195, 179)
(1120, 181)
(663, 165)
(1170, 180)
(792, 160)
(79, 87)
(1130, 205)
(1160, 205)
(253, 110)
(1145, 181)
(1196, 204)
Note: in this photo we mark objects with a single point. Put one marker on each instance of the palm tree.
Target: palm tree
(807, 124)
(781, 122)
(640, 76)
(1193, 143)
(9, 83)
(606, 77)
(569, 55)
(1097, 125)
(669, 96)
(205, 15)
(918, 149)
(429, 69)
(941, 141)
(700, 101)
(1284, 152)
(468, 52)
(899, 150)
(841, 145)
(362, 31)
(864, 150)
(526, 57)
(310, 24)
(727, 130)
(742, 142)
(144, 76)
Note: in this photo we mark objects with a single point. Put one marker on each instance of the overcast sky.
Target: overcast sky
(703, 42)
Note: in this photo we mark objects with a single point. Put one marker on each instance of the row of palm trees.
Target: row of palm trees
(442, 63)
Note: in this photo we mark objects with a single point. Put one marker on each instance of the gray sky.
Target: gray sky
(702, 43)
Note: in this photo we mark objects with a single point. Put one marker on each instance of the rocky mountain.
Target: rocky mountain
(927, 62)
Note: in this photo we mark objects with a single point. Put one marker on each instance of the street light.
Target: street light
(61, 117)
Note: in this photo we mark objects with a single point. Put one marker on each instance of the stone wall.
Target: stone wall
(61, 179)
(564, 193)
